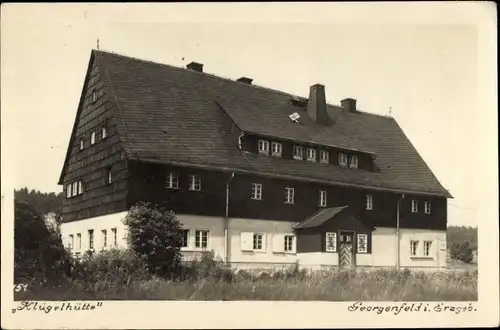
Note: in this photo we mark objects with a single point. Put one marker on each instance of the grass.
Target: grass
(379, 285)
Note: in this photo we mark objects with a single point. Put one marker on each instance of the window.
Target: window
(78, 241)
(256, 191)
(71, 241)
(362, 243)
(427, 207)
(322, 198)
(104, 234)
(80, 187)
(264, 147)
(354, 162)
(109, 176)
(342, 159)
(68, 191)
(94, 96)
(311, 155)
(92, 137)
(331, 242)
(289, 195)
(368, 202)
(201, 239)
(75, 188)
(257, 242)
(172, 180)
(276, 149)
(81, 144)
(298, 152)
(114, 231)
(104, 132)
(324, 157)
(289, 243)
(427, 248)
(413, 248)
(91, 239)
(414, 205)
(185, 238)
(194, 182)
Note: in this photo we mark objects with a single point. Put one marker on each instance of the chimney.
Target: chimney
(198, 67)
(316, 106)
(245, 80)
(349, 105)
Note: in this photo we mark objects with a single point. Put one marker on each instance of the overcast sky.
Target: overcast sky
(426, 73)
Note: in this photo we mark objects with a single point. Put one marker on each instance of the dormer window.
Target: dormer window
(92, 137)
(311, 155)
(354, 162)
(276, 149)
(264, 147)
(324, 157)
(298, 152)
(342, 159)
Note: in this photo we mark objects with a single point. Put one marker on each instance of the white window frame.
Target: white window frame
(195, 182)
(257, 191)
(322, 198)
(264, 147)
(289, 195)
(427, 248)
(342, 159)
(298, 152)
(276, 149)
(109, 179)
(414, 206)
(324, 157)
(80, 187)
(173, 180)
(368, 202)
(354, 162)
(92, 138)
(69, 188)
(359, 238)
(81, 144)
(255, 239)
(427, 207)
(104, 238)
(331, 248)
(78, 241)
(104, 132)
(311, 154)
(414, 251)
(71, 241)
(184, 231)
(90, 234)
(288, 242)
(198, 239)
(115, 236)
(75, 188)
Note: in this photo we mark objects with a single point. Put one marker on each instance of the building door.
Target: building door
(346, 255)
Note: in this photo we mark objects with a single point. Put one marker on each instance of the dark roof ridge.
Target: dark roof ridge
(212, 75)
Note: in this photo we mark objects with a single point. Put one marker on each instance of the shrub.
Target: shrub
(205, 268)
(461, 251)
(154, 234)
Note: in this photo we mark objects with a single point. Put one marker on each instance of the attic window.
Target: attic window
(94, 96)
(296, 102)
(92, 137)
(342, 159)
(354, 162)
(104, 132)
(81, 144)
(294, 117)
(264, 147)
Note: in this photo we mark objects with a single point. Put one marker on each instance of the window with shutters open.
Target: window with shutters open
(255, 242)
(284, 243)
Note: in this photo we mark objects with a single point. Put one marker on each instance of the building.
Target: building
(260, 177)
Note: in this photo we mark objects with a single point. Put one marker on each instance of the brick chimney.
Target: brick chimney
(198, 67)
(349, 105)
(316, 105)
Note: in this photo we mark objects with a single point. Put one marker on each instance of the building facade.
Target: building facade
(260, 177)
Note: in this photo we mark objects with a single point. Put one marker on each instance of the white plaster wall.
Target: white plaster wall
(106, 222)
(216, 236)
(318, 259)
(241, 258)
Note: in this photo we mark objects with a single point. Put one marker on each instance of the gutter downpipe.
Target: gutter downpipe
(398, 247)
(226, 222)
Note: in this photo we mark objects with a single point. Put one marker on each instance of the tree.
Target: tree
(154, 234)
(462, 251)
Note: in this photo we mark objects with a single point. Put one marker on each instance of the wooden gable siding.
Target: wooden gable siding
(91, 164)
(251, 144)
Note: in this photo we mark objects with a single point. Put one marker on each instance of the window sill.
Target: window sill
(256, 199)
(324, 162)
(298, 158)
(354, 167)
(173, 188)
(290, 203)
(195, 190)
(276, 155)
(264, 153)
(194, 249)
(311, 160)
(421, 258)
(331, 251)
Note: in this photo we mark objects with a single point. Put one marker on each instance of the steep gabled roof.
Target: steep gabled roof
(167, 114)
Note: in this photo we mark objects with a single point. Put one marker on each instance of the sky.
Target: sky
(425, 74)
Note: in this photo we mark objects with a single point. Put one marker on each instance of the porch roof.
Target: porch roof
(320, 217)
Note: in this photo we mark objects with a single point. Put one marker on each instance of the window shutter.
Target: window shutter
(246, 241)
(331, 242)
(264, 243)
(278, 243)
(294, 244)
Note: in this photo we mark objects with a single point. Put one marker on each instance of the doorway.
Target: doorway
(346, 255)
